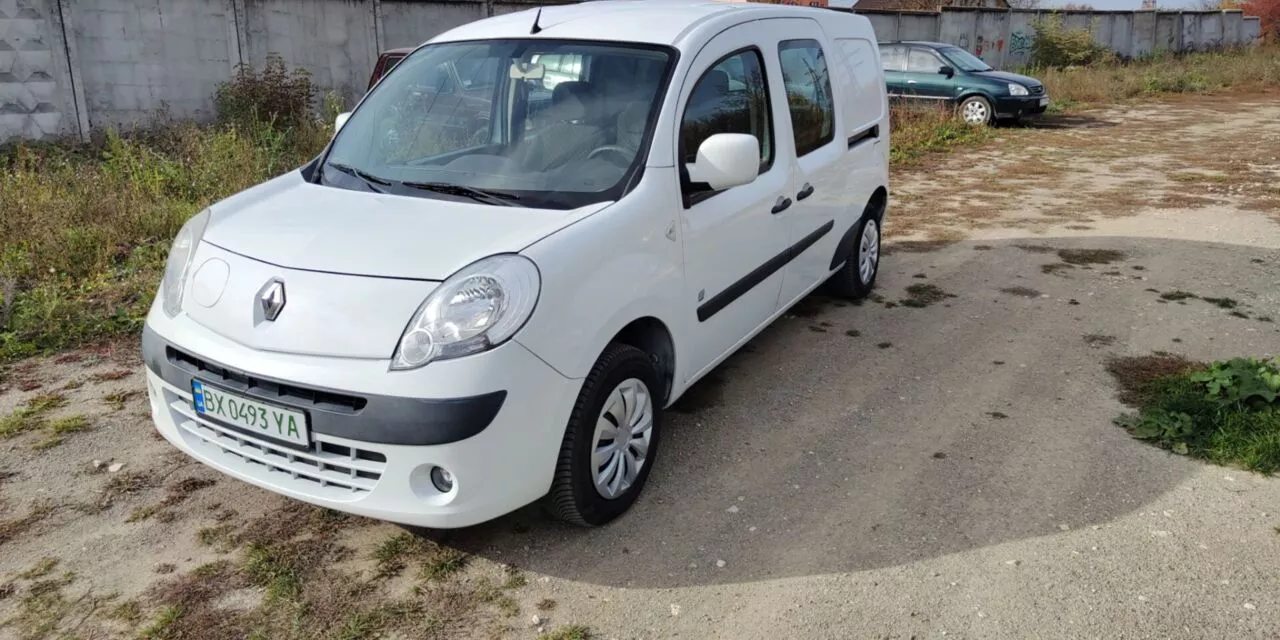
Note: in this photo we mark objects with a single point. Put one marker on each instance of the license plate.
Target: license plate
(250, 415)
(1044, 101)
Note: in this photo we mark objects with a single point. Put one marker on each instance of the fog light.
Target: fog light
(442, 479)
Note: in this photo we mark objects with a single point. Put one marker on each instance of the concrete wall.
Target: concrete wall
(69, 67)
(1003, 38)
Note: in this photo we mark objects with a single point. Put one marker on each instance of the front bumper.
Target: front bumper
(1017, 106)
(495, 421)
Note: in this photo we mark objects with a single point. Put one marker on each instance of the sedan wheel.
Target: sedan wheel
(975, 110)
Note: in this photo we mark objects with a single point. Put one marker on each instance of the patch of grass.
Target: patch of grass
(444, 562)
(1022, 292)
(42, 610)
(515, 578)
(547, 604)
(391, 554)
(570, 632)
(1035, 248)
(852, 333)
(128, 612)
(41, 569)
(274, 570)
(118, 399)
(11, 529)
(1264, 319)
(1090, 256)
(1099, 340)
(1177, 295)
(918, 132)
(918, 246)
(160, 625)
(1225, 303)
(1138, 376)
(1054, 267)
(921, 295)
(884, 345)
(1227, 413)
(31, 415)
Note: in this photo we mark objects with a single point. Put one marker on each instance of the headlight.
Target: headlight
(474, 310)
(1017, 90)
(180, 254)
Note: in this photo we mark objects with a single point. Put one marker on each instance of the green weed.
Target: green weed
(1227, 413)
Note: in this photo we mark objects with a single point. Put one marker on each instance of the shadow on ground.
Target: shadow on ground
(1051, 122)
(856, 437)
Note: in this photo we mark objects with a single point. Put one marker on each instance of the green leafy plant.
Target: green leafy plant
(1058, 46)
(1241, 381)
(1227, 412)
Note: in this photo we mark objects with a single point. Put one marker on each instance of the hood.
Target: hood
(1006, 77)
(292, 223)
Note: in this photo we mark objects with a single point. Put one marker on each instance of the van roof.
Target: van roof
(649, 21)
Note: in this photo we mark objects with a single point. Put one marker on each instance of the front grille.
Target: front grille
(1037, 90)
(240, 381)
(328, 470)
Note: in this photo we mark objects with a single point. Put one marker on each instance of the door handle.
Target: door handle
(781, 205)
(805, 191)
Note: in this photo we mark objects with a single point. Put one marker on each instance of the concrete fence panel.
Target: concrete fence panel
(69, 67)
(409, 24)
(915, 26)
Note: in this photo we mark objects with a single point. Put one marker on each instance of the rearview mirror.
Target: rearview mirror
(726, 160)
(340, 120)
(947, 71)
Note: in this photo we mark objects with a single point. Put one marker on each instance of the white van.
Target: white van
(440, 326)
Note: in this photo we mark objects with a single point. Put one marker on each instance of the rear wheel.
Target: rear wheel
(611, 440)
(857, 277)
(976, 110)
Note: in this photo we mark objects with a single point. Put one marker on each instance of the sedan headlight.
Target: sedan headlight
(179, 262)
(1017, 90)
(474, 310)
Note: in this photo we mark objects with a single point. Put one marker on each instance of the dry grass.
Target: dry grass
(1253, 71)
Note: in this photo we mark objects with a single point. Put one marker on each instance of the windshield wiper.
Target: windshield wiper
(369, 179)
(487, 196)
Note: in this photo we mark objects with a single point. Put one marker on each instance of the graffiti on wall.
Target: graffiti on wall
(1020, 43)
(988, 45)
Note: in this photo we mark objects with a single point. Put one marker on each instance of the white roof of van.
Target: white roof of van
(651, 21)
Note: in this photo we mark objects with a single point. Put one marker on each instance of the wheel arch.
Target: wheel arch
(876, 207)
(652, 336)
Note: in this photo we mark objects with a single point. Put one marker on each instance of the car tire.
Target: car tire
(619, 389)
(857, 277)
(976, 110)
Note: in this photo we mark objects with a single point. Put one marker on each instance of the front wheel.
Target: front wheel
(611, 440)
(976, 110)
(857, 277)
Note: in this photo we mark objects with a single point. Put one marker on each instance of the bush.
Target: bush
(275, 95)
(1057, 46)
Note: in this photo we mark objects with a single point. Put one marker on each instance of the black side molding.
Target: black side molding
(870, 133)
(761, 273)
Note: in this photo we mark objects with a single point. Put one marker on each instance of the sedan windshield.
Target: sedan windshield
(535, 123)
(963, 60)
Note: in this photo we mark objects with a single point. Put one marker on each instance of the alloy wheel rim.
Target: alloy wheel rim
(975, 112)
(869, 251)
(620, 447)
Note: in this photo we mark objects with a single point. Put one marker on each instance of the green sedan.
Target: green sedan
(944, 73)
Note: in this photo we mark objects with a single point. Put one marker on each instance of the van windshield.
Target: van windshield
(963, 60)
(538, 123)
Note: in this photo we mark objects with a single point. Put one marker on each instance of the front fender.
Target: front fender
(603, 272)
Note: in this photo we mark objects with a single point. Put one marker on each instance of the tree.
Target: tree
(1268, 11)
(1072, 6)
(1026, 4)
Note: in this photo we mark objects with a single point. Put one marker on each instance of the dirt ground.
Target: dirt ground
(873, 471)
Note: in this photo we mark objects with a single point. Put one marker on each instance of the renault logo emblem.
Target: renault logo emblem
(271, 299)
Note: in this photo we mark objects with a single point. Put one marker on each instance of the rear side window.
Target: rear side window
(731, 97)
(923, 61)
(813, 114)
(893, 58)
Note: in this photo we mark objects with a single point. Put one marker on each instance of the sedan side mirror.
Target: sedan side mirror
(726, 160)
(947, 71)
(340, 120)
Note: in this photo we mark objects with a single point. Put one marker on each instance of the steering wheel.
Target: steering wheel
(622, 152)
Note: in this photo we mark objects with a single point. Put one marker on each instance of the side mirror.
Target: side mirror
(726, 160)
(947, 71)
(340, 120)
